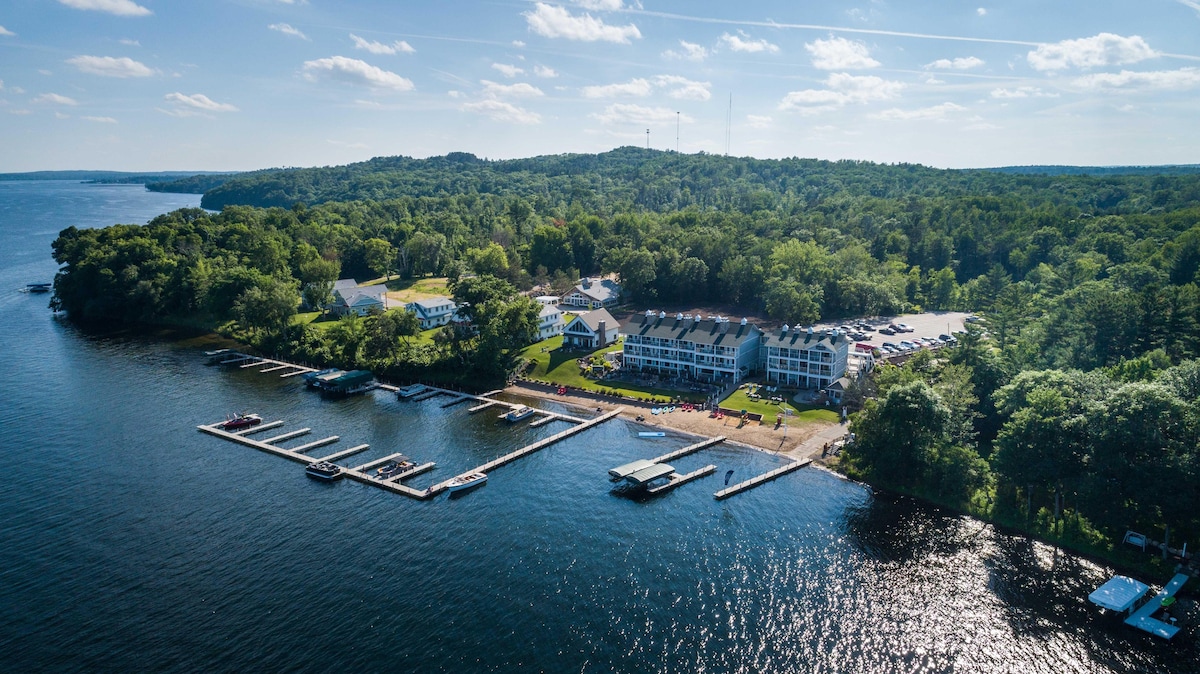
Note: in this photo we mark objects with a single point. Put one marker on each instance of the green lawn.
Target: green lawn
(738, 400)
(408, 290)
(557, 366)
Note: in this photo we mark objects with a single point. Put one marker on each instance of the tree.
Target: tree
(388, 332)
(379, 255)
(491, 260)
(550, 249)
(637, 273)
(898, 435)
(267, 307)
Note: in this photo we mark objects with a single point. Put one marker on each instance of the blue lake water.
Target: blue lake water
(131, 542)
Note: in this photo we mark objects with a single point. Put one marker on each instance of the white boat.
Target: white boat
(409, 391)
(324, 470)
(465, 481)
(517, 413)
(651, 434)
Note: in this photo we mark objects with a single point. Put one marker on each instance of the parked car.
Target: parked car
(887, 331)
(907, 345)
(905, 328)
(890, 345)
(972, 319)
(865, 328)
(948, 339)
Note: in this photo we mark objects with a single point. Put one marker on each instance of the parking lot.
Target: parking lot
(928, 325)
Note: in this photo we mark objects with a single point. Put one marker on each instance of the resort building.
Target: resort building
(798, 358)
(591, 330)
(593, 293)
(349, 297)
(547, 300)
(708, 349)
(433, 312)
(550, 322)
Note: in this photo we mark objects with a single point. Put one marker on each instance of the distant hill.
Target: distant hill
(184, 182)
(1165, 170)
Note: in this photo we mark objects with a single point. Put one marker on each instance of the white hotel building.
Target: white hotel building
(707, 349)
(796, 358)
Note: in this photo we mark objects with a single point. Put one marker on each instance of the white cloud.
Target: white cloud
(843, 90)
(397, 47)
(518, 43)
(494, 89)
(550, 21)
(683, 88)
(108, 66)
(758, 121)
(129, 42)
(1022, 92)
(838, 53)
(1105, 49)
(507, 70)
(691, 52)
(503, 112)
(742, 42)
(1194, 4)
(634, 87)
(601, 5)
(1184, 78)
(101, 120)
(981, 11)
(118, 7)
(936, 112)
(961, 63)
(4, 32)
(288, 30)
(544, 71)
(56, 99)
(354, 71)
(198, 102)
(628, 113)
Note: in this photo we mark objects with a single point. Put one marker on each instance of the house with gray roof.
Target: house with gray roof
(433, 312)
(706, 348)
(591, 330)
(349, 297)
(593, 293)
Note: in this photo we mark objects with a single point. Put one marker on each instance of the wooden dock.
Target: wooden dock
(259, 428)
(287, 436)
(460, 399)
(480, 408)
(289, 454)
(394, 487)
(690, 449)
(543, 421)
(319, 443)
(533, 447)
(431, 393)
(760, 479)
(337, 456)
(274, 368)
(678, 480)
(1142, 619)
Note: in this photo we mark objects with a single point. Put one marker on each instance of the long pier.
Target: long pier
(533, 447)
(337, 456)
(677, 480)
(289, 454)
(760, 479)
(690, 449)
(1141, 618)
(259, 428)
(287, 436)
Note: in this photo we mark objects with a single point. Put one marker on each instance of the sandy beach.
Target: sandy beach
(798, 441)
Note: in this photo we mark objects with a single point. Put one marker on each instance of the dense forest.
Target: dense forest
(1076, 411)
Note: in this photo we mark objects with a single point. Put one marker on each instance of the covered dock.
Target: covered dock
(625, 470)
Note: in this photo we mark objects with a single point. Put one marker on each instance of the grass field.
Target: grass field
(738, 400)
(559, 367)
(410, 290)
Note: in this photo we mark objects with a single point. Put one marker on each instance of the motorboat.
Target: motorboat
(240, 421)
(651, 434)
(465, 481)
(37, 288)
(324, 470)
(393, 468)
(517, 414)
(409, 391)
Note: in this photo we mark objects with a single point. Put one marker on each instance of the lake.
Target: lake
(131, 542)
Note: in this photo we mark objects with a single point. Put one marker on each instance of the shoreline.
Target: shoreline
(795, 442)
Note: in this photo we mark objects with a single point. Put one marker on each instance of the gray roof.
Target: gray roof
(628, 469)
(708, 331)
(799, 338)
(432, 303)
(649, 473)
(592, 319)
(548, 311)
(601, 290)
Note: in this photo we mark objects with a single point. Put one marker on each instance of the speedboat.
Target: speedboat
(409, 391)
(465, 481)
(240, 421)
(323, 470)
(37, 288)
(517, 413)
(393, 468)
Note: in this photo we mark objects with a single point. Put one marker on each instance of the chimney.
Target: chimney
(744, 321)
(724, 324)
(602, 333)
(662, 314)
(785, 328)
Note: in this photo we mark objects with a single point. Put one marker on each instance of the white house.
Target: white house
(349, 297)
(550, 322)
(591, 330)
(709, 348)
(433, 312)
(547, 300)
(799, 358)
(593, 293)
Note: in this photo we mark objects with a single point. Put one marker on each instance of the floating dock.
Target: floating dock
(259, 428)
(760, 479)
(677, 480)
(1141, 618)
(690, 449)
(484, 406)
(337, 456)
(287, 436)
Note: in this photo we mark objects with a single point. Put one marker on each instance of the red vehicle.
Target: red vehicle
(240, 421)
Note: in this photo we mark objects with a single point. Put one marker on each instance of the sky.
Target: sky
(145, 85)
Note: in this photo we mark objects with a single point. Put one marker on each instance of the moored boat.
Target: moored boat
(37, 288)
(393, 468)
(323, 470)
(240, 421)
(517, 413)
(465, 481)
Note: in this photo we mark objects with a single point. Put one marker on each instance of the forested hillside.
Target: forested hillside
(1084, 387)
